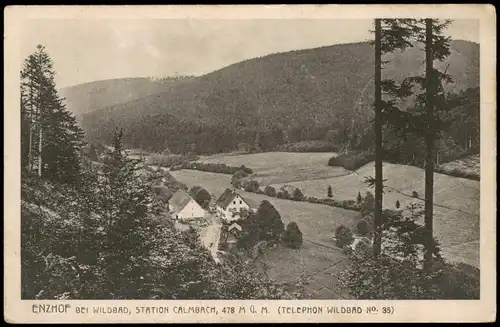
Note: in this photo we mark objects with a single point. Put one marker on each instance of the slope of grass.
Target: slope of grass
(281, 167)
(456, 209)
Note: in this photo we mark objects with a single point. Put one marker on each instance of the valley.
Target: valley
(189, 169)
(456, 210)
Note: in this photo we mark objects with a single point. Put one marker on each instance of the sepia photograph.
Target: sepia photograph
(196, 158)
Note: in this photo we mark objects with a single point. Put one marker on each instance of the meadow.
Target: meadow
(317, 222)
(456, 210)
(318, 261)
(281, 167)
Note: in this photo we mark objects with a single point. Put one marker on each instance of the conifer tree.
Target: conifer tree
(126, 205)
(390, 35)
(51, 141)
(424, 120)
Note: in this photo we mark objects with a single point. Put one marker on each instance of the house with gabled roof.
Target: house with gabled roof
(183, 206)
(229, 235)
(231, 205)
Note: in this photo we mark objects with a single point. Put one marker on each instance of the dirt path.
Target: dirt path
(210, 237)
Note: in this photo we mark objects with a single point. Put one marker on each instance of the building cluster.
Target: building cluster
(228, 209)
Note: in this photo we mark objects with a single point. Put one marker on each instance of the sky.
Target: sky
(85, 50)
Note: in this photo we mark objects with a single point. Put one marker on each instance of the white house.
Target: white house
(183, 206)
(230, 205)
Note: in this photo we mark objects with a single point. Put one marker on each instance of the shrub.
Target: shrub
(281, 195)
(349, 203)
(237, 177)
(215, 168)
(200, 195)
(368, 204)
(237, 183)
(166, 160)
(460, 281)
(370, 219)
(239, 174)
(456, 172)
(388, 216)
(343, 236)
(264, 225)
(162, 192)
(313, 200)
(252, 186)
(347, 250)
(297, 195)
(293, 236)
(191, 156)
(270, 191)
(351, 161)
(309, 146)
(414, 194)
(363, 227)
(246, 169)
(363, 248)
(397, 273)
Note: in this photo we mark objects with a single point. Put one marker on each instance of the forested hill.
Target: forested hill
(88, 97)
(292, 96)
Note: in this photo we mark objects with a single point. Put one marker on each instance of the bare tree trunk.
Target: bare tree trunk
(30, 151)
(429, 143)
(377, 239)
(30, 154)
(40, 151)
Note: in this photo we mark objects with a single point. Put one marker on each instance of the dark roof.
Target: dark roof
(226, 198)
(179, 200)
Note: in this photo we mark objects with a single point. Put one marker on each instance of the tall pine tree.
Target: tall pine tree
(423, 121)
(51, 141)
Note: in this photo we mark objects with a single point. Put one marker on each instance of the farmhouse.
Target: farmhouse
(183, 206)
(229, 234)
(231, 205)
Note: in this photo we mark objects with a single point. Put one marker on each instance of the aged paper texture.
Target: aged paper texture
(183, 164)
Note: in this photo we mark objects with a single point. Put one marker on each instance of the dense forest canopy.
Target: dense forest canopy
(264, 103)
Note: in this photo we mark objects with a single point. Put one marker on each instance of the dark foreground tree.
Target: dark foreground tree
(293, 236)
(398, 273)
(104, 241)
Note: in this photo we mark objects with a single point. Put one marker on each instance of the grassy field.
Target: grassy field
(456, 199)
(282, 167)
(318, 266)
(451, 192)
(317, 222)
(456, 213)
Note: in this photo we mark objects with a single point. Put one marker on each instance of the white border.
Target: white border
(404, 311)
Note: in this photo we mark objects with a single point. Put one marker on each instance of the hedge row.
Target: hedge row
(458, 173)
(213, 168)
(309, 146)
(351, 161)
(167, 160)
(299, 196)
